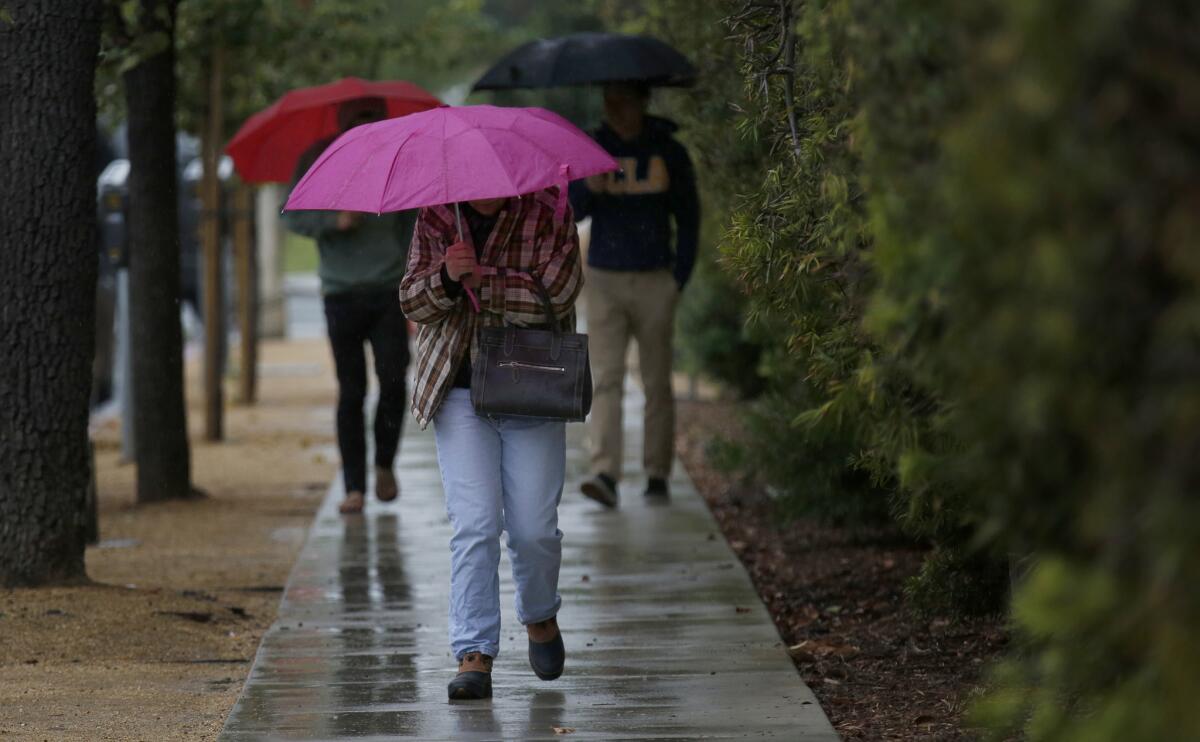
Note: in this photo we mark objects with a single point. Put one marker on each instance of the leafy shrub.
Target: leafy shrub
(1059, 239)
(981, 251)
(712, 333)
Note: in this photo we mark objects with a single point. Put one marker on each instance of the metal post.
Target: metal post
(272, 319)
(124, 385)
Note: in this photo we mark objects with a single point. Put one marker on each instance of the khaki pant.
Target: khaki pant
(624, 305)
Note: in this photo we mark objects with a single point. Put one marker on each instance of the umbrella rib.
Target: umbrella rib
(327, 155)
(549, 155)
(391, 169)
(558, 55)
(445, 163)
(496, 154)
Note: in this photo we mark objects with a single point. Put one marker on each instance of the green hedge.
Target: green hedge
(971, 259)
(1046, 265)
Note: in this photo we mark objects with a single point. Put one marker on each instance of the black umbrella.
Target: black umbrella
(589, 58)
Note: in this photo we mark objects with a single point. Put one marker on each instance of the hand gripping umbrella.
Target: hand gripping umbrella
(588, 59)
(271, 141)
(448, 155)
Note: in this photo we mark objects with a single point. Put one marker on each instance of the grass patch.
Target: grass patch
(299, 254)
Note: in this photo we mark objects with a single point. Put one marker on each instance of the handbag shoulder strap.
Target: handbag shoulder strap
(547, 306)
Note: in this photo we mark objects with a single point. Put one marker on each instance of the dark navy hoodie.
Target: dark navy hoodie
(632, 209)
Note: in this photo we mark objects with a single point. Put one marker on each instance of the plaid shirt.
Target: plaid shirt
(526, 242)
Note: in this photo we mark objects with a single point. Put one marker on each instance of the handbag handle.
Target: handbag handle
(543, 296)
(548, 308)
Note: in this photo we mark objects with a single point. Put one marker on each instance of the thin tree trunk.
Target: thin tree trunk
(160, 418)
(247, 278)
(48, 260)
(210, 245)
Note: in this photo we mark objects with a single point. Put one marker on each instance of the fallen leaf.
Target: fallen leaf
(740, 609)
(563, 730)
(802, 652)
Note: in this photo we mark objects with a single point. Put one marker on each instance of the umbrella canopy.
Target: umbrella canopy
(589, 58)
(447, 155)
(271, 141)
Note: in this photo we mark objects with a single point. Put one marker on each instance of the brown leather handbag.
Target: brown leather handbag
(541, 373)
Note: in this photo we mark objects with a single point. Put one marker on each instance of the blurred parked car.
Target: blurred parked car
(112, 194)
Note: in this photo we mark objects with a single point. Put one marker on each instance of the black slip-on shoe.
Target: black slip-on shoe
(601, 488)
(657, 489)
(548, 658)
(474, 679)
(470, 686)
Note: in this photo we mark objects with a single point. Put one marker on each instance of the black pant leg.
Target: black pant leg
(389, 345)
(347, 333)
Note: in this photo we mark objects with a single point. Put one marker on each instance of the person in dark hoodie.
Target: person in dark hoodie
(638, 263)
(362, 259)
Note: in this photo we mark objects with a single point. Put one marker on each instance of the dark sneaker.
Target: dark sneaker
(546, 656)
(601, 488)
(474, 679)
(657, 488)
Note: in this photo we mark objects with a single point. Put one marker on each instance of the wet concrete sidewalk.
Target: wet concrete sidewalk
(665, 636)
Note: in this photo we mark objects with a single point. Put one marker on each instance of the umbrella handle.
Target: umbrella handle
(470, 293)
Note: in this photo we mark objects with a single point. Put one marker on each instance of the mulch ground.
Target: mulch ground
(880, 671)
(158, 646)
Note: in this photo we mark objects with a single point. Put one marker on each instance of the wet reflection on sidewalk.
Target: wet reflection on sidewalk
(375, 666)
(659, 642)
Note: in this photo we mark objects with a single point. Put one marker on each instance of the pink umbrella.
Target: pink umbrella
(447, 155)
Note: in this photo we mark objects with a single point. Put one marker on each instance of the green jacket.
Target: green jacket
(372, 255)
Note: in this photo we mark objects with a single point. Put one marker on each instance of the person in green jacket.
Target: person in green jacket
(362, 259)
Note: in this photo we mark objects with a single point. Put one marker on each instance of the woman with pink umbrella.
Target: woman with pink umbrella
(495, 247)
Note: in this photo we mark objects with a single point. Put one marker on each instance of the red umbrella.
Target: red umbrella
(268, 145)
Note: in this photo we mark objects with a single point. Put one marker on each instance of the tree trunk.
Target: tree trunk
(245, 257)
(160, 417)
(48, 260)
(211, 249)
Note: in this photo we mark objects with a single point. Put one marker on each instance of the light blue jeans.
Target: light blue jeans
(499, 474)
